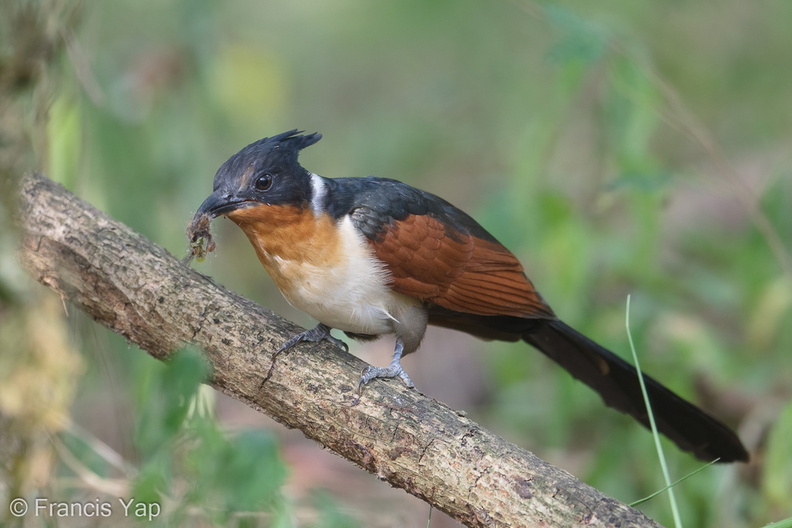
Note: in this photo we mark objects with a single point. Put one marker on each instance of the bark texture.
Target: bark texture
(144, 293)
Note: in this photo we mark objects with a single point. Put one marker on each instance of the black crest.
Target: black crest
(294, 139)
(285, 147)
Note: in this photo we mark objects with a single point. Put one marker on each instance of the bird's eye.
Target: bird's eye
(263, 182)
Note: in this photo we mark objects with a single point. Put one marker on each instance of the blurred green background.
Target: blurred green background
(617, 148)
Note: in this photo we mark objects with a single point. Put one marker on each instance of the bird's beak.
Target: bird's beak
(221, 202)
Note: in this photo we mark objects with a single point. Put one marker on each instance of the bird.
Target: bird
(373, 256)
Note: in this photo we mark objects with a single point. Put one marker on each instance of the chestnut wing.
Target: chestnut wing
(435, 262)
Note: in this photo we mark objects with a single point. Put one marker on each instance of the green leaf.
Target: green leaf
(166, 404)
(777, 475)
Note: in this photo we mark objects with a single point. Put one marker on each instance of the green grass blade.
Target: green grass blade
(786, 523)
(658, 492)
(655, 434)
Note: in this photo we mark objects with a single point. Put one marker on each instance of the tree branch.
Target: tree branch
(140, 291)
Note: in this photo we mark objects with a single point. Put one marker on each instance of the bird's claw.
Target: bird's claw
(314, 335)
(393, 371)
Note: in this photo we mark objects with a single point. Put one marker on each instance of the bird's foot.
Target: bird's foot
(371, 372)
(314, 335)
(394, 370)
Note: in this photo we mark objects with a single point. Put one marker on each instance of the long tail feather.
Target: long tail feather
(617, 382)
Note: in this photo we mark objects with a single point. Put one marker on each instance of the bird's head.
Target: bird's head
(263, 173)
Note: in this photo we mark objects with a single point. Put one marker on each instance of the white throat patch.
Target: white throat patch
(319, 191)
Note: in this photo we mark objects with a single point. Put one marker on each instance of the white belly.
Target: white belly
(351, 294)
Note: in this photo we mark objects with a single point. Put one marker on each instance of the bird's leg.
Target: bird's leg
(314, 335)
(391, 371)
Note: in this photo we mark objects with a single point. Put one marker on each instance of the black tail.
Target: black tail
(617, 382)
